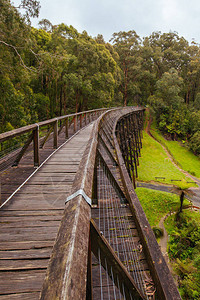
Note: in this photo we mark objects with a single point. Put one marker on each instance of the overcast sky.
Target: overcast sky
(109, 16)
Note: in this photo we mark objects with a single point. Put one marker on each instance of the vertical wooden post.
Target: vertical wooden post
(0, 190)
(55, 134)
(36, 146)
(133, 143)
(75, 123)
(80, 120)
(89, 295)
(89, 115)
(131, 150)
(85, 118)
(66, 128)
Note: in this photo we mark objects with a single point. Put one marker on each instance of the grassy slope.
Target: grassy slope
(185, 158)
(154, 162)
(157, 204)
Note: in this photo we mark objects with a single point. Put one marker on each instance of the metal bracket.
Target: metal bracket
(82, 193)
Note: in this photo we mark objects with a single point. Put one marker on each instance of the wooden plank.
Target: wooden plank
(26, 231)
(21, 282)
(20, 245)
(45, 203)
(53, 177)
(27, 234)
(25, 264)
(21, 296)
(29, 219)
(29, 197)
(29, 223)
(61, 168)
(25, 254)
(58, 174)
(47, 212)
(64, 163)
(35, 188)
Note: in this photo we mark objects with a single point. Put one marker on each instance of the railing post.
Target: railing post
(75, 123)
(0, 191)
(80, 120)
(89, 295)
(85, 118)
(89, 115)
(36, 146)
(55, 134)
(66, 128)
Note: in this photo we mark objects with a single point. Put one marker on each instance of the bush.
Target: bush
(195, 143)
(158, 232)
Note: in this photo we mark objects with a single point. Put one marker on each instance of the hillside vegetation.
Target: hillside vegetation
(55, 70)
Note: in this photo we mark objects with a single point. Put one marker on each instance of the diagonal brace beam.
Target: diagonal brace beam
(114, 265)
(23, 150)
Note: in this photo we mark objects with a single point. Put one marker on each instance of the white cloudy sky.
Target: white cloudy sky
(109, 16)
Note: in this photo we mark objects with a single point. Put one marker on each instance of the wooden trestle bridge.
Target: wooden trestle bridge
(71, 224)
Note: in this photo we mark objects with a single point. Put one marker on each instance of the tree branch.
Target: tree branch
(21, 60)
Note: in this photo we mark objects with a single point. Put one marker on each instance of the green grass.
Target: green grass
(182, 156)
(157, 204)
(154, 162)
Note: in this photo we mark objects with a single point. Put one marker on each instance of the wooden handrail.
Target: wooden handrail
(19, 131)
(68, 263)
(34, 128)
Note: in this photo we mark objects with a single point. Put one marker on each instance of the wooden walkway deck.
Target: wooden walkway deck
(100, 244)
(29, 222)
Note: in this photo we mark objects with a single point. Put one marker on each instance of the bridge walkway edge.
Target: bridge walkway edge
(29, 222)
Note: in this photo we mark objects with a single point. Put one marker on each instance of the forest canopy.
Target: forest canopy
(56, 70)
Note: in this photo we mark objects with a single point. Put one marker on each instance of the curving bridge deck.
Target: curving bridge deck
(99, 245)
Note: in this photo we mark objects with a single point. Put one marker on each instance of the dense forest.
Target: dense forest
(56, 70)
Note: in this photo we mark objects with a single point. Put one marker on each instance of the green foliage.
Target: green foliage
(195, 143)
(51, 71)
(184, 250)
(65, 71)
(158, 232)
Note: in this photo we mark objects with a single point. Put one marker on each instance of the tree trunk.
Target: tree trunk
(181, 201)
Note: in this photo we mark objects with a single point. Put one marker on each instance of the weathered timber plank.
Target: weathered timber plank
(58, 174)
(52, 178)
(23, 264)
(64, 163)
(61, 168)
(25, 254)
(20, 245)
(27, 234)
(29, 223)
(21, 296)
(27, 198)
(32, 220)
(21, 282)
(42, 203)
(32, 212)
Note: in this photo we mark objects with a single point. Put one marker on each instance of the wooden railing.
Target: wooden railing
(78, 235)
(69, 271)
(81, 118)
